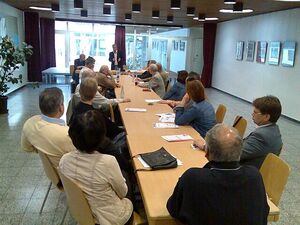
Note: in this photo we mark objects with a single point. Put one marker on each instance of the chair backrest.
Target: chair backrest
(112, 114)
(72, 69)
(50, 171)
(275, 172)
(220, 113)
(77, 202)
(71, 105)
(240, 124)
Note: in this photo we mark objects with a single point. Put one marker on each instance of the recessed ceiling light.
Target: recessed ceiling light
(211, 18)
(40, 8)
(155, 14)
(78, 4)
(128, 16)
(201, 17)
(136, 8)
(55, 7)
(190, 11)
(175, 4)
(170, 19)
(229, 2)
(231, 11)
(106, 10)
(109, 2)
(84, 13)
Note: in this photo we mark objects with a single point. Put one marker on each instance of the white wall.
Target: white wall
(249, 80)
(6, 10)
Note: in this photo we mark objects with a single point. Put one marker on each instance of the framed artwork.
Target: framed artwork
(182, 46)
(274, 52)
(175, 45)
(239, 50)
(288, 53)
(250, 50)
(261, 51)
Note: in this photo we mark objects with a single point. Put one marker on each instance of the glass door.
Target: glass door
(160, 52)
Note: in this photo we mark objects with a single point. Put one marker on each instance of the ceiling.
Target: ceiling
(118, 10)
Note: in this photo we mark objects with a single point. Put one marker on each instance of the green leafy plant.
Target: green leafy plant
(11, 58)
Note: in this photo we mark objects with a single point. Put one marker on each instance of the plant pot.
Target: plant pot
(3, 104)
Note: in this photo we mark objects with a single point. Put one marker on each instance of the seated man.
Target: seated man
(156, 82)
(266, 138)
(78, 65)
(106, 82)
(222, 192)
(47, 132)
(99, 99)
(89, 66)
(147, 74)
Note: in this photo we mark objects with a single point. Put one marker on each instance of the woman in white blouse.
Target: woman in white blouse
(98, 175)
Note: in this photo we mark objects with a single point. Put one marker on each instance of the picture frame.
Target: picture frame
(250, 51)
(182, 46)
(239, 52)
(175, 45)
(261, 51)
(288, 53)
(274, 52)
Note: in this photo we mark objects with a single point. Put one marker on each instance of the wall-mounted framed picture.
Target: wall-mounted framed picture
(175, 45)
(250, 50)
(288, 53)
(239, 50)
(274, 52)
(182, 46)
(261, 51)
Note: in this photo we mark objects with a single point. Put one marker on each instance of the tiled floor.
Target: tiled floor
(23, 183)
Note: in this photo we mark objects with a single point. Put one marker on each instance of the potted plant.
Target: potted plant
(11, 58)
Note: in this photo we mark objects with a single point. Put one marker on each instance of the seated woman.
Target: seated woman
(200, 114)
(116, 145)
(97, 174)
(177, 92)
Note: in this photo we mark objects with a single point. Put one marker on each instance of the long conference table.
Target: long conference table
(157, 186)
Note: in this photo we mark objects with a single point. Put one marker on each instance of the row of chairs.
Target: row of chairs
(274, 170)
(239, 122)
(77, 203)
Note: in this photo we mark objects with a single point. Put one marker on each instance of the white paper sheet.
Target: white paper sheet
(178, 137)
(135, 110)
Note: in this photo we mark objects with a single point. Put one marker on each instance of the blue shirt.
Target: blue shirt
(53, 120)
(176, 92)
(201, 116)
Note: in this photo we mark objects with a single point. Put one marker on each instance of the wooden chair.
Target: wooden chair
(220, 113)
(275, 172)
(240, 124)
(79, 207)
(72, 69)
(112, 114)
(52, 174)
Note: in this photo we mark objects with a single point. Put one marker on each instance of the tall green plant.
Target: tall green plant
(11, 58)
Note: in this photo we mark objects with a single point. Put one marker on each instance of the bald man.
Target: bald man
(222, 192)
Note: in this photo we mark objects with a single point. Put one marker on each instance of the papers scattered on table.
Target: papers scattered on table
(135, 110)
(152, 100)
(166, 117)
(179, 137)
(165, 125)
(179, 163)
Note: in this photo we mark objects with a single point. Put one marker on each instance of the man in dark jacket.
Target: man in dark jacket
(116, 58)
(223, 192)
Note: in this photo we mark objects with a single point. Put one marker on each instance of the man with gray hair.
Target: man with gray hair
(222, 192)
(47, 132)
(156, 82)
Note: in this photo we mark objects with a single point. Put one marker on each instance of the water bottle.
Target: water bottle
(122, 94)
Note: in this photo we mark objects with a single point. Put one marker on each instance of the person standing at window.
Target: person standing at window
(116, 58)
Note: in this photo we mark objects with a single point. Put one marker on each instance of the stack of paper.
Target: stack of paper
(178, 137)
(152, 100)
(167, 117)
(165, 125)
(135, 110)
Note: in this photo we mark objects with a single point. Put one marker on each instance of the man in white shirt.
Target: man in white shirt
(47, 132)
(116, 58)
